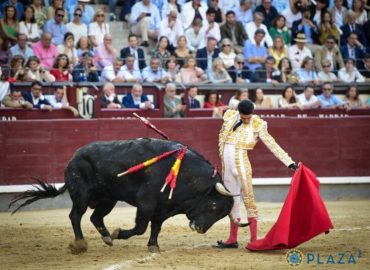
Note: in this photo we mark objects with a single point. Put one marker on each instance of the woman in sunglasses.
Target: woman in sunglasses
(98, 29)
(77, 27)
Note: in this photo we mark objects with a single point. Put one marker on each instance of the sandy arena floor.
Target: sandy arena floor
(39, 240)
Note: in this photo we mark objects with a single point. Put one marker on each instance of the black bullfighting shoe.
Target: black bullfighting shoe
(221, 244)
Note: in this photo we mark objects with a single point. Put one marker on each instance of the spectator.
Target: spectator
(35, 72)
(15, 100)
(261, 101)
(278, 29)
(60, 101)
(68, 48)
(255, 25)
(145, 21)
(244, 13)
(169, 6)
(84, 45)
(352, 98)
(298, 51)
(195, 35)
(234, 31)
(85, 70)
(4, 82)
(328, 100)
(218, 73)
(227, 54)
(239, 73)
(56, 27)
(210, 27)
(286, 71)
(98, 29)
(193, 102)
(9, 25)
(206, 55)
(339, 13)
(172, 105)
(352, 27)
(240, 95)
(128, 71)
(349, 72)
(228, 5)
(162, 52)
(87, 11)
(171, 27)
(358, 6)
(136, 99)
(154, 73)
(36, 98)
(134, 50)
(190, 73)
(77, 27)
(109, 99)
(331, 52)
(212, 100)
(326, 75)
(17, 70)
(181, 51)
(269, 12)
(112, 72)
(14, 3)
(219, 11)
(105, 53)
(278, 50)
(40, 13)
(307, 73)
(172, 68)
(254, 52)
(52, 8)
(353, 49)
(5, 53)
(307, 99)
(288, 99)
(61, 68)
(191, 11)
(327, 28)
(366, 70)
(268, 73)
(308, 27)
(21, 48)
(28, 26)
(292, 12)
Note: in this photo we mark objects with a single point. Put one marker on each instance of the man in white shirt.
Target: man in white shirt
(192, 10)
(251, 28)
(111, 73)
(171, 27)
(298, 51)
(210, 27)
(129, 72)
(307, 99)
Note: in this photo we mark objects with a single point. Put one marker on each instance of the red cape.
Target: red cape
(302, 217)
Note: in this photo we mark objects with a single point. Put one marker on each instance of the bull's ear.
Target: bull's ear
(222, 190)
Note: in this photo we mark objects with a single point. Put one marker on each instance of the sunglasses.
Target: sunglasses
(78, 14)
(326, 66)
(240, 62)
(226, 45)
(100, 15)
(60, 15)
(326, 89)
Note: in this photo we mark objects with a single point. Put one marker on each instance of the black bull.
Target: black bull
(91, 179)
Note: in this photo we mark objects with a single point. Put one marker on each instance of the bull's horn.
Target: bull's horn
(222, 190)
(237, 222)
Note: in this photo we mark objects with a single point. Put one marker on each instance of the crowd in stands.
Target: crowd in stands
(197, 41)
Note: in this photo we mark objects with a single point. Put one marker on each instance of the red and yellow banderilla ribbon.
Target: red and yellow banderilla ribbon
(148, 162)
(150, 125)
(172, 176)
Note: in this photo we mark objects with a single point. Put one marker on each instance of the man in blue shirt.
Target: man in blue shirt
(21, 48)
(255, 54)
(154, 73)
(56, 27)
(328, 100)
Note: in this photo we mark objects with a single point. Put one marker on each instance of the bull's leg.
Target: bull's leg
(78, 209)
(143, 215)
(102, 209)
(156, 225)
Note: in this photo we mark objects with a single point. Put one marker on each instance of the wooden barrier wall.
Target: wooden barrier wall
(331, 147)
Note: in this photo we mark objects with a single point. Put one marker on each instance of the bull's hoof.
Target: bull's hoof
(154, 249)
(78, 246)
(115, 234)
(108, 240)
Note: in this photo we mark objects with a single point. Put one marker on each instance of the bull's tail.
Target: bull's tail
(42, 191)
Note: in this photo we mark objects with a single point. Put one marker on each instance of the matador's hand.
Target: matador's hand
(293, 166)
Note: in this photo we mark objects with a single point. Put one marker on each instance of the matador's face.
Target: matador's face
(246, 118)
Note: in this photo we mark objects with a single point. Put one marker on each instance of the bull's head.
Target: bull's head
(215, 205)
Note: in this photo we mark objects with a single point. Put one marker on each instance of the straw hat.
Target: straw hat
(301, 37)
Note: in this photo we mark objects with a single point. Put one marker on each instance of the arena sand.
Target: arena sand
(39, 240)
